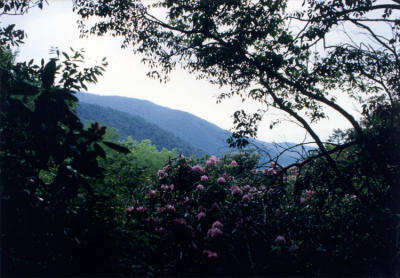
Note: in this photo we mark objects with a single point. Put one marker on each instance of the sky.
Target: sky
(55, 26)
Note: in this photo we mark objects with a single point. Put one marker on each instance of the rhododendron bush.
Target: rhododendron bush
(225, 217)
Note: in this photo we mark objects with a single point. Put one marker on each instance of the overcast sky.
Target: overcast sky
(55, 26)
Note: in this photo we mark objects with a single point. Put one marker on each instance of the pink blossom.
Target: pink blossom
(214, 232)
(303, 199)
(210, 254)
(247, 197)
(141, 209)
(284, 179)
(159, 230)
(200, 187)
(201, 215)
(171, 186)
(170, 208)
(164, 187)
(264, 171)
(247, 187)
(160, 209)
(217, 225)
(186, 199)
(160, 173)
(221, 180)
(129, 209)
(204, 178)
(197, 168)
(166, 167)
(235, 190)
(180, 221)
(234, 163)
(215, 205)
(309, 192)
(280, 240)
(212, 160)
(152, 193)
(272, 164)
(181, 156)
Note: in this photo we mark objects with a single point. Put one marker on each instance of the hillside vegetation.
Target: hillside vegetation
(135, 127)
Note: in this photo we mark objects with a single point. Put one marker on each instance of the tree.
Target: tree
(284, 60)
(48, 164)
(252, 47)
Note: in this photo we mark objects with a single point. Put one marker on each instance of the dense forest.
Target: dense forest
(78, 201)
(134, 126)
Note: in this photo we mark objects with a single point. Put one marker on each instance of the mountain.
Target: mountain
(197, 133)
(136, 127)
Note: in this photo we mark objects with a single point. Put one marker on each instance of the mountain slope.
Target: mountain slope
(134, 126)
(197, 132)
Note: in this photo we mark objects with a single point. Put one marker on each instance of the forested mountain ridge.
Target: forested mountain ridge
(199, 133)
(195, 135)
(136, 127)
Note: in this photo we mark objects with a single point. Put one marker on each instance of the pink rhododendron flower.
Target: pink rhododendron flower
(164, 187)
(221, 180)
(302, 200)
(214, 232)
(210, 254)
(160, 230)
(172, 187)
(141, 209)
(215, 205)
(247, 187)
(247, 197)
(234, 163)
(160, 173)
(235, 190)
(197, 168)
(186, 199)
(180, 221)
(152, 193)
(204, 178)
(280, 240)
(170, 208)
(309, 192)
(160, 209)
(129, 209)
(212, 160)
(265, 171)
(181, 156)
(201, 215)
(200, 187)
(272, 164)
(217, 225)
